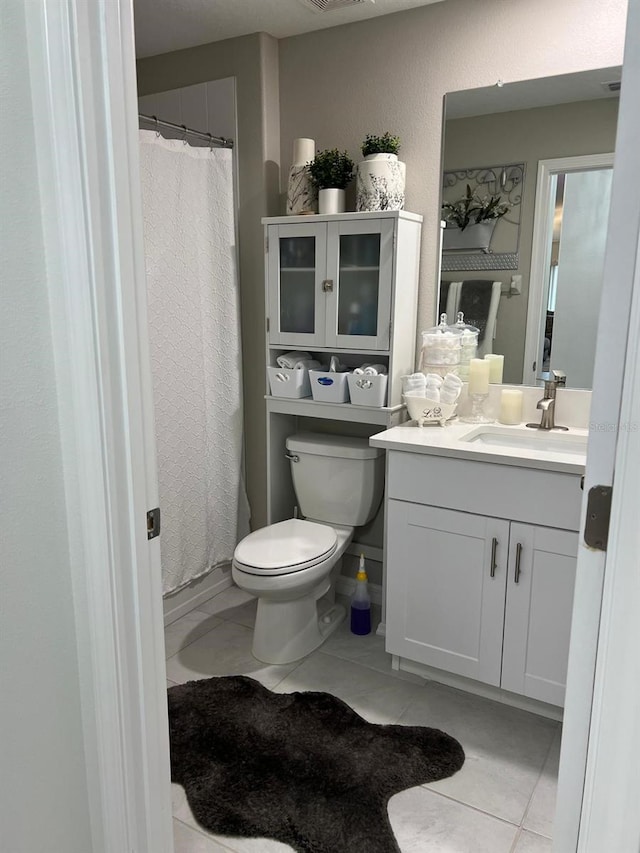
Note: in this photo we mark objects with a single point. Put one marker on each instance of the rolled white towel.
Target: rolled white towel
(434, 379)
(415, 383)
(374, 370)
(451, 389)
(432, 393)
(291, 359)
(308, 364)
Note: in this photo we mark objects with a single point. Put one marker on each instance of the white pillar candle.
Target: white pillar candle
(511, 406)
(479, 376)
(303, 151)
(496, 367)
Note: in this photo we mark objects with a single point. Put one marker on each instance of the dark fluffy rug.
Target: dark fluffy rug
(302, 768)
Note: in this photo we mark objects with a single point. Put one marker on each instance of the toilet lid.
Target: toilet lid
(285, 547)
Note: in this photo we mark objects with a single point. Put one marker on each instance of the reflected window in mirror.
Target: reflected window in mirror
(531, 122)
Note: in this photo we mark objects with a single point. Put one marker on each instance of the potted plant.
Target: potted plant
(471, 220)
(331, 170)
(381, 176)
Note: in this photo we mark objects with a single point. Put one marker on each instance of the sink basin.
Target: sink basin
(530, 439)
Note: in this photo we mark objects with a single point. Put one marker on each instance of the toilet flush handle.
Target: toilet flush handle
(292, 457)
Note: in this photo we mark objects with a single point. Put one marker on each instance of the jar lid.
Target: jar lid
(442, 329)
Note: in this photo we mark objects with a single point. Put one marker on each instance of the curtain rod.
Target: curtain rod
(212, 140)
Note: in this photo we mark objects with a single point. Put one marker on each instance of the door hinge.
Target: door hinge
(153, 523)
(266, 245)
(268, 324)
(596, 528)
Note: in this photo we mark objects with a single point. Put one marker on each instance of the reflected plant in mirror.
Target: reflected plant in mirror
(541, 269)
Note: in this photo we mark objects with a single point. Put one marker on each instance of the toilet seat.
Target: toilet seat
(285, 547)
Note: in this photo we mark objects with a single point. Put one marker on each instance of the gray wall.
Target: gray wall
(43, 780)
(565, 130)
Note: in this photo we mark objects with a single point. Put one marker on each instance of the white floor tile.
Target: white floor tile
(234, 605)
(505, 748)
(340, 677)
(529, 842)
(423, 821)
(226, 650)
(185, 630)
(542, 808)
(188, 840)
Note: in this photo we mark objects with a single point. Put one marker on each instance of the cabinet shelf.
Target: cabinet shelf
(310, 408)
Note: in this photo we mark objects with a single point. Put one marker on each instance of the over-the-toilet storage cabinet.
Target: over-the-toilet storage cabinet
(481, 561)
(344, 285)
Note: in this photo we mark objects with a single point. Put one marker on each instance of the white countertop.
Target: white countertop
(449, 440)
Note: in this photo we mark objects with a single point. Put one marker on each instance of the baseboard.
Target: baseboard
(371, 552)
(346, 586)
(430, 673)
(177, 604)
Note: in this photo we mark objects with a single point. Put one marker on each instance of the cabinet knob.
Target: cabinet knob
(327, 285)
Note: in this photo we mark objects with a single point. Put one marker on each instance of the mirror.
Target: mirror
(530, 143)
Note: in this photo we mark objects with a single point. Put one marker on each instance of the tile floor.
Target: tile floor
(502, 801)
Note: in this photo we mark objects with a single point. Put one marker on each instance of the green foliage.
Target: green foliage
(385, 144)
(331, 169)
(471, 209)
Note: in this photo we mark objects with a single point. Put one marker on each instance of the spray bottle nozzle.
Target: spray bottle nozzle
(362, 574)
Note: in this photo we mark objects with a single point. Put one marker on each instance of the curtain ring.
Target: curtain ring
(210, 142)
(155, 118)
(184, 134)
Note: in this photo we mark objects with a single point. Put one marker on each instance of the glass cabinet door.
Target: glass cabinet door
(359, 307)
(296, 261)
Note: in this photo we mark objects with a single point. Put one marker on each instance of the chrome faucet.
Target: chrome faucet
(552, 380)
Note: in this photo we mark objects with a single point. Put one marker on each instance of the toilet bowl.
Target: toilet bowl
(289, 566)
(292, 564)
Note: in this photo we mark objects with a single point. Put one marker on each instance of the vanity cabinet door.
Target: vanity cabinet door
(541, 578)
(445, 592)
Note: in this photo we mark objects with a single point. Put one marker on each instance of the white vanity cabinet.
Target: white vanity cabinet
(479, 591)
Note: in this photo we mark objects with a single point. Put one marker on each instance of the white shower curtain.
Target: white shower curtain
(194, 332)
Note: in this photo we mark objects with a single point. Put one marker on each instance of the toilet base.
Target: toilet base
(286, 631)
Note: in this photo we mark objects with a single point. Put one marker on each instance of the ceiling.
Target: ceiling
(167, 25)
(527, 94)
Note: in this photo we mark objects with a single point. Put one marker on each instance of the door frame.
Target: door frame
(541, 249)
(84, 106)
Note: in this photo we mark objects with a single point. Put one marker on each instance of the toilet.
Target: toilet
(290, 565)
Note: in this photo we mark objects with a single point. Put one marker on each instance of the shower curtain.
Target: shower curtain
(194, 332)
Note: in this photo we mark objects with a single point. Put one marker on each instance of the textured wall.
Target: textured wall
(391, 73)
(43, 799)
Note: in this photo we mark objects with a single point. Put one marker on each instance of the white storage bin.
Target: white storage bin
(328, 387)
(367, 390)
(289, 382)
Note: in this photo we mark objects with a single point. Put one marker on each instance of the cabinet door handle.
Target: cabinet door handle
(327, 285)
(516, 576)
(494, 548)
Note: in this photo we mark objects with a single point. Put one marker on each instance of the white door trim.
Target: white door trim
(84, 104)
(541, 249)
(584, 812)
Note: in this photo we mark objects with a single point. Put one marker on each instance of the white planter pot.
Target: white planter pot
(380, 183)
(302, 196)
(473, 237)
(331, 201)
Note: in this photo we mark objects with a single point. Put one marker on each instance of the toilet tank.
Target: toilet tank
(338, 479)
